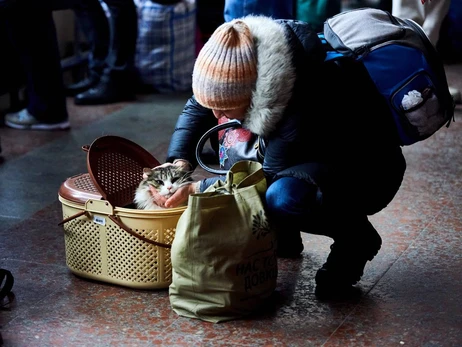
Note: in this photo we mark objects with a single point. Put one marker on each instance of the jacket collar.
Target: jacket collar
(276, 75)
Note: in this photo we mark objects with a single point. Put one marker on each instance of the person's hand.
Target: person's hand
(181, 196)
(165, 165)
(158, 199)
(184, 164)
(178, 198)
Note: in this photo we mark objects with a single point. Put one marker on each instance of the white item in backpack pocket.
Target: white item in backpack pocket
(411, 99)
(426, 117)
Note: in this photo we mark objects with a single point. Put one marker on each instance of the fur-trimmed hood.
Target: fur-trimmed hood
(276, 75)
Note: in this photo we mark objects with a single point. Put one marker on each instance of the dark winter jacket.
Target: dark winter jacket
(307, 111)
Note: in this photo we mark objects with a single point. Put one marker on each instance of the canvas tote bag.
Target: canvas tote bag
(223, 255)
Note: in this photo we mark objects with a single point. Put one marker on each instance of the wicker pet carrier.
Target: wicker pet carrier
(106, 237)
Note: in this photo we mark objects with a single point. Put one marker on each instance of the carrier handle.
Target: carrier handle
(68, 219)
(128, 230)
(121, 225)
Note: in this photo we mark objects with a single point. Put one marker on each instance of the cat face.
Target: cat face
(168, 179)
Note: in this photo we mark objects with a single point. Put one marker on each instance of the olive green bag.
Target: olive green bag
(223, 255)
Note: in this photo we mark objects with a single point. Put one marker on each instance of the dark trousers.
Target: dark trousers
(32, 35)
(112, 38)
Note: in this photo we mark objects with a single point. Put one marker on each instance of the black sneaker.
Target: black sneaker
(105, 92)
(345, 263)
(337, 292)
(290, 245)
(82, 86)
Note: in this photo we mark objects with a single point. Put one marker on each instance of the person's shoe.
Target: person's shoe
(289, 245)
(82, 86)
(337, 292)
(345, 264)
(24, 120)
(105, 92)
(456, 95)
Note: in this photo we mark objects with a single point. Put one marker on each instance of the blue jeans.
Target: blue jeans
(292, 203)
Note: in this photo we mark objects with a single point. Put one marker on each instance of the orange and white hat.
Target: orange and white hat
(225, 70)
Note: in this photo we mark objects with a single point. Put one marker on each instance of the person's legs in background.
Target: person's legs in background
(32, 33)
(315, 13)
(430, 16)
(450, 43)
(209, 17)
(92, 20)
(119, 77)
(270, 8)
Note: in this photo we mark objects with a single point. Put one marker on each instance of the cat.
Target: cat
(166, 180)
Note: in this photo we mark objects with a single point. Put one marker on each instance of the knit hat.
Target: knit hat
(225, 70)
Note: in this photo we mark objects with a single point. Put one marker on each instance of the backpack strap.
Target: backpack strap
(331, 54)
(6, 283)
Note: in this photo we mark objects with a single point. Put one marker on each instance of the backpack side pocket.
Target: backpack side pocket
(417, 108)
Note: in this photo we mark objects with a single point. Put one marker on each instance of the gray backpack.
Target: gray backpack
(403, 64)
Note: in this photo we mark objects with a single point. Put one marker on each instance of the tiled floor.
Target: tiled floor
(412, 291)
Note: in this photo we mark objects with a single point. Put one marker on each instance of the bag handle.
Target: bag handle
(255, 173)
(244, 173)
(200, 145)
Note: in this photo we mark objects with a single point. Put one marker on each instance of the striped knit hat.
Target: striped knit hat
(225, 70)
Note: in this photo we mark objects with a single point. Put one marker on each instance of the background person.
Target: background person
(430, 16)
(112, 75)
(32, 33)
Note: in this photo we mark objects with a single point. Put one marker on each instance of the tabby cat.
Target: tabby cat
(165, 179)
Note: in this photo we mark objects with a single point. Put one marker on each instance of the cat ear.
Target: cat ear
(147, 171)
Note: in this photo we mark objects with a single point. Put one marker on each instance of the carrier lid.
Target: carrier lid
(79, 189)
(115, 165)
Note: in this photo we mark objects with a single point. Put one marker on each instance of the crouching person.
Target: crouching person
(330, 155)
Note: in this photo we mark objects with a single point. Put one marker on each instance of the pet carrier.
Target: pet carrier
(106, 237)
